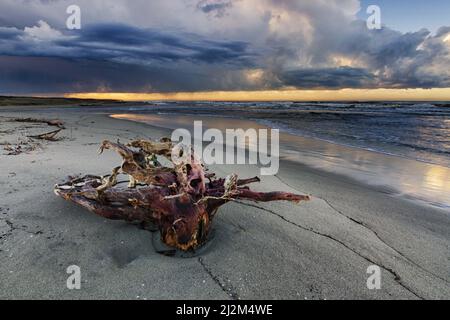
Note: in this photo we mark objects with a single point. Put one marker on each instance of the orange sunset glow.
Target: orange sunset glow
(436, 94)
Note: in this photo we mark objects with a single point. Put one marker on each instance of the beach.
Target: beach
(315, 250)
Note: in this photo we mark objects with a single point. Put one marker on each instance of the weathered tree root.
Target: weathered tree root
(180, 199)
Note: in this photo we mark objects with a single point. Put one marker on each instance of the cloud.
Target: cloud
(341, 77)
(42, 31)
(400, 60)
(190, 45)
(7, 34)
(217, 7)
(123, 43)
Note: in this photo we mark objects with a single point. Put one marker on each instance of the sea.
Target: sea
(402, 147)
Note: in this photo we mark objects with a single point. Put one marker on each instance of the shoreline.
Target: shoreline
(435, 198)
(263, 122)
(292, 132)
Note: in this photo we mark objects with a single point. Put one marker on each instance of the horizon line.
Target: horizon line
(433, 94)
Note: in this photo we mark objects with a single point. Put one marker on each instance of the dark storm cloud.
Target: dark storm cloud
(342, 77)
(127, 44)
(9, 33)
(57, 75)
(145, 44)
(217, 7)
(119, 57)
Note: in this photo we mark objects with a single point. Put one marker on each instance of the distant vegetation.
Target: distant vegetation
(34, 101)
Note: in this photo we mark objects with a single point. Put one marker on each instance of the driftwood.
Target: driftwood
(28, 143)
(23, 147)
(49, 136)
(54, 122)
(180, 199)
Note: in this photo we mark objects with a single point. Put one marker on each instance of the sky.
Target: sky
(411, 15)
(226, 50)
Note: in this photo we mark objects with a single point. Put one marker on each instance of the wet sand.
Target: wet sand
(316, 250)
(408, 178)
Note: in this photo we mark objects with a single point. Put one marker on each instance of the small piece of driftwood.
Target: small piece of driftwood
(49, 136)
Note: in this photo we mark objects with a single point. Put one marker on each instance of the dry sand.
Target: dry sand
(316, 250)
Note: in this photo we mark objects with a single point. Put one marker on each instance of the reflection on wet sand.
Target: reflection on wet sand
(408, 177)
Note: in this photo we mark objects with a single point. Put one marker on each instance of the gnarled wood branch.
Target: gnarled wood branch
(181, 199)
